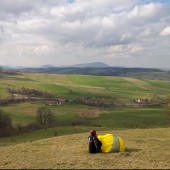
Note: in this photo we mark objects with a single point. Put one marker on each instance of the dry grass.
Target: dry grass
(139, 83)
(145, 149)
(89, 113)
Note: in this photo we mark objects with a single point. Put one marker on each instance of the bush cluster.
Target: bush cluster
(5, 124)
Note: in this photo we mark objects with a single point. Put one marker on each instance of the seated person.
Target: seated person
(94, 143)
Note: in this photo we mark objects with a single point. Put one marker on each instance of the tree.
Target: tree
(5, 124)
(5, 121)
(44, 116)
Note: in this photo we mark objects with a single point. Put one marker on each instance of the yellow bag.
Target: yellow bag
(111, 143)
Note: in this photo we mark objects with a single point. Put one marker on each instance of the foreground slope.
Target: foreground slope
(145, 148)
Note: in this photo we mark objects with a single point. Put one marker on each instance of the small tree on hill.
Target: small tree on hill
(5, 121)
(44, 116)
(5, 124)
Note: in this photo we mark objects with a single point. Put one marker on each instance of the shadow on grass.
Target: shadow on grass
(130, 150)
(127, 152)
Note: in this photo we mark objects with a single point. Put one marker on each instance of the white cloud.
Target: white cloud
(166, 31)
(148, 10)
(135, 48)
(36, 32)
(42, 49)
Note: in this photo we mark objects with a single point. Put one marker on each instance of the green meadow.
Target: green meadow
(80, 85)
(134, 118)
(105, 88)
(25, 113)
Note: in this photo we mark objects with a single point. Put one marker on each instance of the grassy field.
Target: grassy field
(134, 118)
(100, 119)
(145, 149)
(25, 113)
(45, 133)
(114, 89)
(80, 85)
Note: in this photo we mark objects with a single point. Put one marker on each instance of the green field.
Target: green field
(25, 113)
(71, 85)
(104, 88)
(134, 118)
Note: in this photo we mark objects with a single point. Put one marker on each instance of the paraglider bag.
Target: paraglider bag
(111, 143)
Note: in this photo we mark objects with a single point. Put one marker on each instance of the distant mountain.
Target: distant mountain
(93, 65)
(5, 67)
(102, 71)
(12, 67)
(47, 66)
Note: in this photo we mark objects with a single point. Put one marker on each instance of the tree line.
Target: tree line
(30, 92)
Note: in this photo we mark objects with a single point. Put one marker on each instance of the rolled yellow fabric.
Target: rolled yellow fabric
(111, 143)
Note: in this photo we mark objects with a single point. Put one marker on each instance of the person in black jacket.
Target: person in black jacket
(94, 143)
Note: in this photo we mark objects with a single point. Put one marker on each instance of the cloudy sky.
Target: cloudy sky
(130, 33)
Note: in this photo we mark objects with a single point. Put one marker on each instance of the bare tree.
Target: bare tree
(5, 121)
(5, 124)
(44, 116)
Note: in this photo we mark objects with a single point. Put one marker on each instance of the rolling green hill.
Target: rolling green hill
(102, 89)
(80, 85)
(103, 70)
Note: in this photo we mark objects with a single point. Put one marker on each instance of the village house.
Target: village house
(57, 102)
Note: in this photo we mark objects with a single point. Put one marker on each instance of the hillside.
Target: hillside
(109, 88)
(145, 149)
(84, 93)
(102, 70)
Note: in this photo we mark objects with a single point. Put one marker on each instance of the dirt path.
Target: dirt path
(146, 149)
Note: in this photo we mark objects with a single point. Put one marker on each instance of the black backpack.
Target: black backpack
(94, 144)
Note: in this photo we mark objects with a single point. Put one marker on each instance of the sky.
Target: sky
(129, 33)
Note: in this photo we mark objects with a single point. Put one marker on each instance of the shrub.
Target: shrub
(44, 116)
(5, 124)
